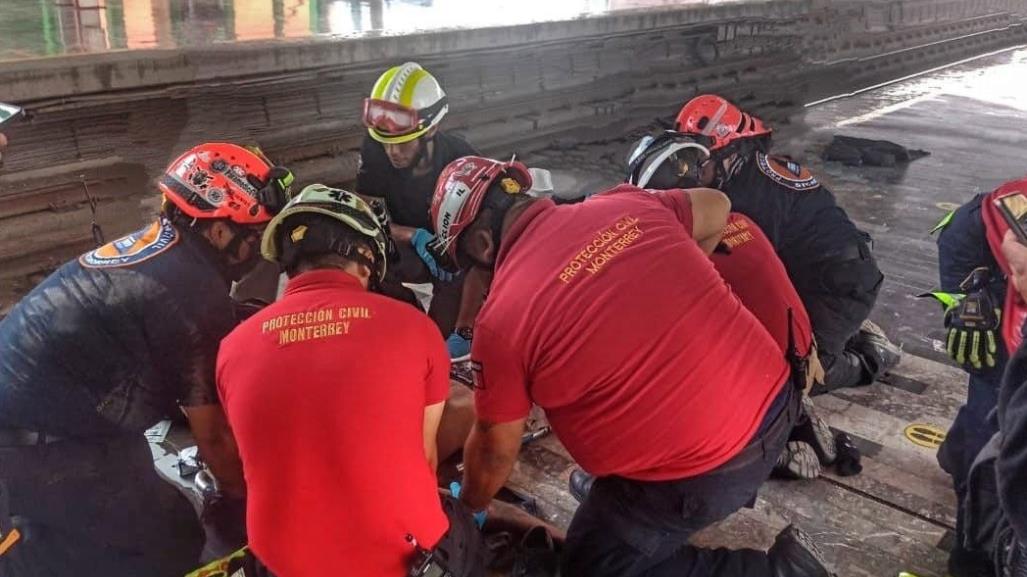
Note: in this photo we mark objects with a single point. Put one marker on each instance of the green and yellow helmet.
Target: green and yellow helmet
(301, 227)
(405, 103)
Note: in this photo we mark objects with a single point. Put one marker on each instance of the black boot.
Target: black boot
(580, 484)
(872, 345)
(538, 555)
(795, 555)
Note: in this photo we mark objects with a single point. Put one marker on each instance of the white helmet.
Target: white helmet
(670, 160)
(405, 103)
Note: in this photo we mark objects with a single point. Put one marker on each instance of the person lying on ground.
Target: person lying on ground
(108, 345)
(610, 316)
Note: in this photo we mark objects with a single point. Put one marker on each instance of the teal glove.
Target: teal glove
(458, 346)
(420, 242)
(479, 517)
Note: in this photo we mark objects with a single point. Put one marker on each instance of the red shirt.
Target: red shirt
(759, 279)
(608, 315)
(325, 391)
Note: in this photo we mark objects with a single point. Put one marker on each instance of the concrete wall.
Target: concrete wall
(103, 125)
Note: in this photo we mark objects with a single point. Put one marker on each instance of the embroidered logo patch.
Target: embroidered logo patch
(786, 172)
(134, 248)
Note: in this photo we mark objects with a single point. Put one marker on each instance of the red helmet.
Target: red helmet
(713, 116)
(460, 193)
(218, 180)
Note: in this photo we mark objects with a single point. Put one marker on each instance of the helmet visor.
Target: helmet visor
(389, 118)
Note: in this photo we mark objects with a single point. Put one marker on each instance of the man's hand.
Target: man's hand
(489, 457)
(217, 447)
(1016, 256)
(420, 240)
(3, 146)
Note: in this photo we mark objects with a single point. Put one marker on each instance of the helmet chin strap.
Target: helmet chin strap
(735, 156)
(425, 140)
(235, 271)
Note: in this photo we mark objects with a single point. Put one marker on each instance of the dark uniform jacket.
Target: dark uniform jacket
(1011, 466)
(799, 215)
(407, 197)
(111, 342)
(962, 247)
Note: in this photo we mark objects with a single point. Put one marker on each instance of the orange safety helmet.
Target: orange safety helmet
(713, 116)
(226, 181)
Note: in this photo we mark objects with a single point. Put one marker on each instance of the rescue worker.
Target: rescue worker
(827, 257)
(609, 315)
(107, 346)
(401, 158)
(983, 316)
(747, 262)
(1011, 461)
(335, 418)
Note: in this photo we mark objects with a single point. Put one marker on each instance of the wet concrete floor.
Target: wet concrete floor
(898, 514)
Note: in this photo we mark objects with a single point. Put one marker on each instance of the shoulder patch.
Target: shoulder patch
(786, 172)
(133, 249)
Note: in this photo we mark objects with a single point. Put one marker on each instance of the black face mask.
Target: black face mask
(235, 271)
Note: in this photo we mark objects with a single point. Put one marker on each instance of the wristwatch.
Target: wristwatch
(466, 333)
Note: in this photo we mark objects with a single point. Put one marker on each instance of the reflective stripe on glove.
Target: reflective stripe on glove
(972, 321)
(420, 241)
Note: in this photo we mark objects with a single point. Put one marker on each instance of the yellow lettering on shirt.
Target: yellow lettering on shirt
(606, 245)
(736, 234)
(313, 325)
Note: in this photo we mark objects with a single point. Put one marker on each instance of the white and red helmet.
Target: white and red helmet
(461, 190)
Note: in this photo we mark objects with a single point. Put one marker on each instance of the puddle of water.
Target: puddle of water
(32, 28)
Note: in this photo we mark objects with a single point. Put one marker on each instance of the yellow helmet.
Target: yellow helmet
(405, 103)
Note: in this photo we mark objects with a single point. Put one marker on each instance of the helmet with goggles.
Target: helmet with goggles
(316, 222)
(669, 160)
(405, 103)
(462, 193)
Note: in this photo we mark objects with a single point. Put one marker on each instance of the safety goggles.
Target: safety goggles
(389, 118)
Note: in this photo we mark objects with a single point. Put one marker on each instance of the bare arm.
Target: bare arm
(432, 418)
(710, 210)
(217, 447)
(402, 234)
(489, 457)
(476, 283)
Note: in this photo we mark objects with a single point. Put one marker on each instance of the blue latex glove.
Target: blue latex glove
(420, 242)
(479, 517)
(458, 346)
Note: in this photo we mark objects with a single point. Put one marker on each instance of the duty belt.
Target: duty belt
(25, 438)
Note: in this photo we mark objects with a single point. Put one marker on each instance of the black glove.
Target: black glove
(277, 191)
(973, 319)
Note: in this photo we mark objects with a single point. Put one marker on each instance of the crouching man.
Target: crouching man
(610, 316)
(335, 394)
